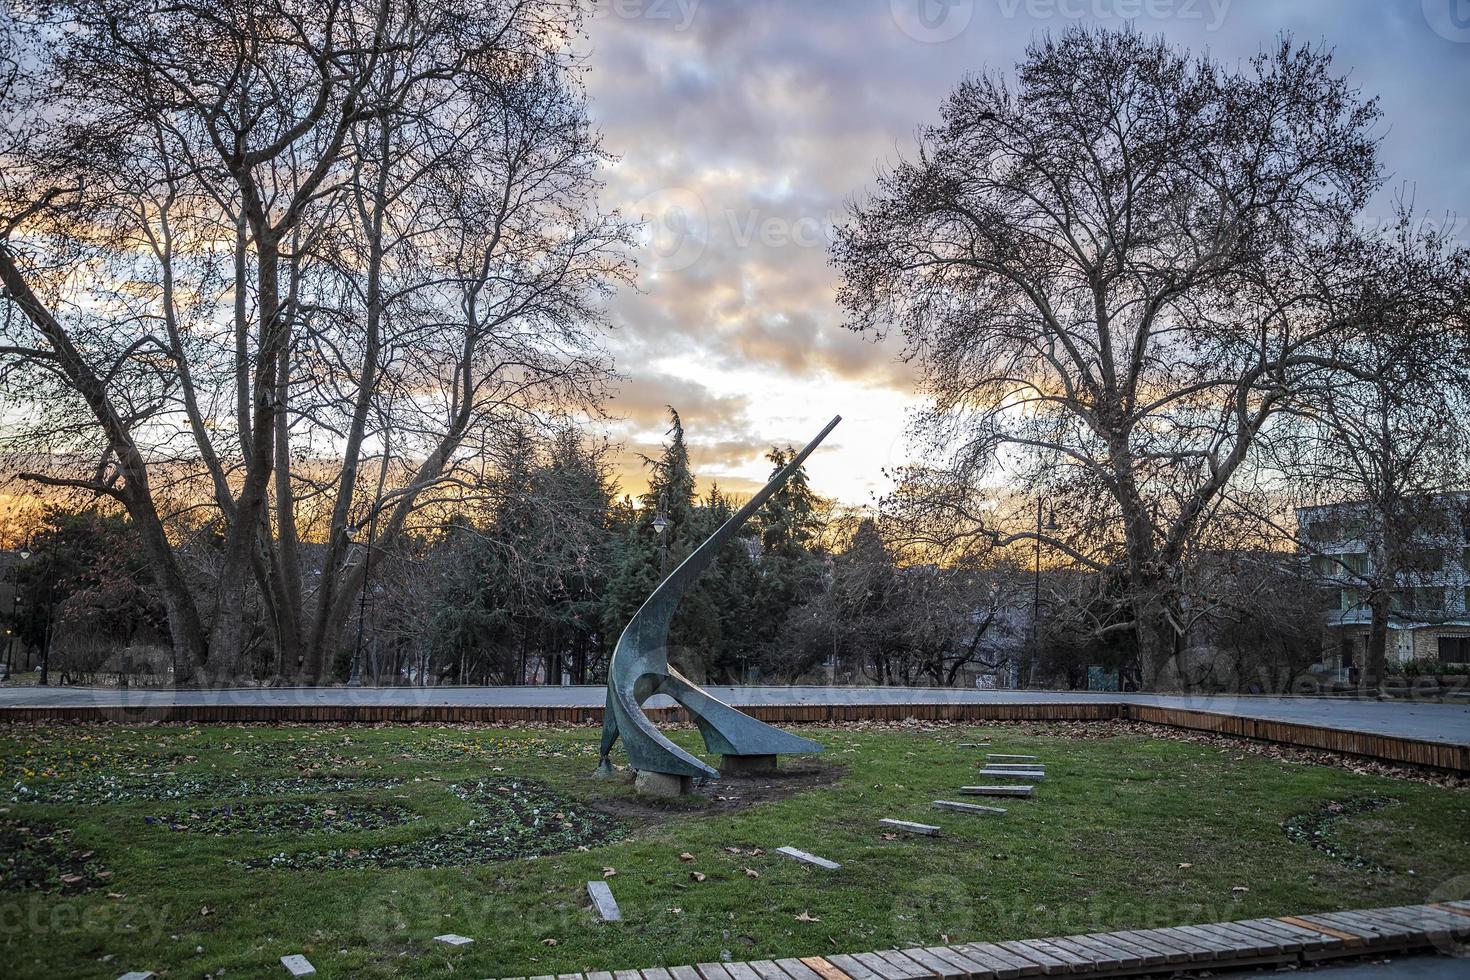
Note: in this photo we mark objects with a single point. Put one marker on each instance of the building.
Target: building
(1430, 617)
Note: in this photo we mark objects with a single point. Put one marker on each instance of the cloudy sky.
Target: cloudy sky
(744, 127)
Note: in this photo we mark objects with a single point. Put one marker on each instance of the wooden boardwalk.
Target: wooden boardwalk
(1284, 941)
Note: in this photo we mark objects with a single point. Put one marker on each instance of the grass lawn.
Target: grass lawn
(198, 850)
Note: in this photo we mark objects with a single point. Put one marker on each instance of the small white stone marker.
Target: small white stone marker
(913, 828)
(297, 965)
(1017, 766)
(603, 901)
(450, 939)
(967, 807)
(1001, 756)
(137, 975)
(974, 745)
(1030, 775)
(806, 858)
(997, 790)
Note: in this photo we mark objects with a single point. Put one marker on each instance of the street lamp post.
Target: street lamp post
(10, 631)
(356, 534)
(1049, 525)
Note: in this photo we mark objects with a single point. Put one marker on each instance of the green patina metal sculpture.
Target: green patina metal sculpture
(640, 669)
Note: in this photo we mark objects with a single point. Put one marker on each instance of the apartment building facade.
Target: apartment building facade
(1430, 617)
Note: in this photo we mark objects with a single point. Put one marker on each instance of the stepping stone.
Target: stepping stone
(603, 901)
(967, 807)
(806, 858)
(450, 939)
(1003, 757)
(998, 790)
(137, 975)
(1036, 774)
(912, 828)
(297, 965)
(1017, 766)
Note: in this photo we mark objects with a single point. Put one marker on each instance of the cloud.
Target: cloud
(745, 127)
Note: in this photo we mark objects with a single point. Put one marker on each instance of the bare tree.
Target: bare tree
(1112, 277)
(1379, 446)
(304, 263)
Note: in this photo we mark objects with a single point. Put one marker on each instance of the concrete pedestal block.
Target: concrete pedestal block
(663, 784)
(747, 765)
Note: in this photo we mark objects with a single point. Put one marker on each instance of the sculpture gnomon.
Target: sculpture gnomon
(640, 669)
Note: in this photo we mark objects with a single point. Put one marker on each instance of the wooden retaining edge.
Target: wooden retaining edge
(1389, 748)
(1386, 748)
(1284, 941)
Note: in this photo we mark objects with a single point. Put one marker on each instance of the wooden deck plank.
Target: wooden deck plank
(1248, 941)
(677, 972)
(1310, 939)
(653, 973)
(712, 971)
(797, 970)
(1050, 965)
(971, 966)
(824, 968)
(623, 975)
(937, 965)
(1170, 954)
(1136, 955)
(912, 968)
(1348, 938)
(1104, 958)
(1192, 942)
(1096, 958)
(1005, 961)
(742, 971)
(597, 975)
(1230, 947)
(879, 967)
(1279, 940)
(1191, 951)
(852, 967)
(1430, 917)
(1299, 940)
(1067, 956)
(767, 969)
(1377, 931)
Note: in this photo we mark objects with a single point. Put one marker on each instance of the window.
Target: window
(1350, 599)
(1454, 649)
(1424, 559)
(1429, 599)
(1425, 599)
(1336, 566)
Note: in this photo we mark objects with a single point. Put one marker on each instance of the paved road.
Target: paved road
(1410, 719)
(1410, 968)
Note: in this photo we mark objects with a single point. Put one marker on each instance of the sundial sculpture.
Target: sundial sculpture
(640, 669)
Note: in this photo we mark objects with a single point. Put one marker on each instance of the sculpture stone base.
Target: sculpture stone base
(662, 784)
(747, 765)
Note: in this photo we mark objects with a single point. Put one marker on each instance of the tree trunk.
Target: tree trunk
(1156, 646)
(1376, 662)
